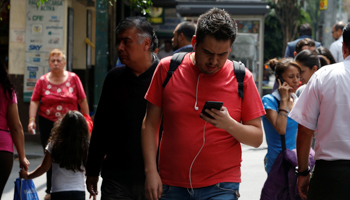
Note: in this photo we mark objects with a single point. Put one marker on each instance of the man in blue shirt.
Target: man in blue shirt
(305, 31)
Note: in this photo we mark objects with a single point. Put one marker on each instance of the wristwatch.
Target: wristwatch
(304, 173)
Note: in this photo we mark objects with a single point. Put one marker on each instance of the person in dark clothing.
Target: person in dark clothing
(305, 31)
(183, 34)
(115, 147)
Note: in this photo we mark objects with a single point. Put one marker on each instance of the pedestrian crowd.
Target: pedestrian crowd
(172, 128)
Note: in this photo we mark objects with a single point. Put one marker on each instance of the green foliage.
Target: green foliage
(273, 40)
(304, 17)
(142, 5)
(40, 1)
(281, 25)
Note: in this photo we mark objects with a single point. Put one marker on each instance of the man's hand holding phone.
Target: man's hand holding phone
(217, 115)
(211, 105)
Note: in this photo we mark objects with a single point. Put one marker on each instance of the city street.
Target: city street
(253, 173)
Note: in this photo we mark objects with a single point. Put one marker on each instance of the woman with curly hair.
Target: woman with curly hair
(67, 152)
(11, 131)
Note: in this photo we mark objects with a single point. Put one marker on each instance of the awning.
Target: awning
(232, 7)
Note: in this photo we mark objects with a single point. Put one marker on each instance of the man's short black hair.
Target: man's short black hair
(304, 42)
(167, 41)
(188, 29)
(217, 23)
(346, 36)
(144, 28)
(305, 29)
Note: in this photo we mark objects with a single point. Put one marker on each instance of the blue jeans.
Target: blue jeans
(220, 191)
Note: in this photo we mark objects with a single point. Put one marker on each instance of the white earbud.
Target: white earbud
(195, 107)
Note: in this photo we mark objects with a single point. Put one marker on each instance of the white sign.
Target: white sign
(17, 35)
(44, 32)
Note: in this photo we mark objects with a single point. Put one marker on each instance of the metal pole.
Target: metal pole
(101, 48)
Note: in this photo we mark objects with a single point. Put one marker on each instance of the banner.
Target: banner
(44, 32)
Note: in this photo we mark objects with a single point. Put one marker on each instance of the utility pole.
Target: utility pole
(328, 19)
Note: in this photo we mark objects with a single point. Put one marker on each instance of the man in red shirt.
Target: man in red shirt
(197, 159)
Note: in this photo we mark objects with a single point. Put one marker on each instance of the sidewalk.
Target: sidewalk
(35, 155)
(253, 173)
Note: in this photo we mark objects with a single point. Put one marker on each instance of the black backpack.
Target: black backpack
(239, 69)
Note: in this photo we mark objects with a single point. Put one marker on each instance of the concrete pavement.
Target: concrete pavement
(35, 155)
(253, 173)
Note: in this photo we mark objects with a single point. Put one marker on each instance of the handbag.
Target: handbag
(25, 190)
(281, 183)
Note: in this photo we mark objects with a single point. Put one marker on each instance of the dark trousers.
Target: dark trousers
(113, 190)
(6, 162)
(45, 132)
(68, 195)
(330, 180)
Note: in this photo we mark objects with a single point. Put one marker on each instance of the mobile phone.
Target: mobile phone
(280, 78)
(211, 104)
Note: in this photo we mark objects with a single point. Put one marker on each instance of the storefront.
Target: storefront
(249, 16)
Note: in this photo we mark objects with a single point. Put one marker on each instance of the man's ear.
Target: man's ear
(345, 50)
(182, 36)
(314, 68)
(194, 42)
(295, 53)
(147, 44)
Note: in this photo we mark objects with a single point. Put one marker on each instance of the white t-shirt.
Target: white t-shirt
(336, 49)
(63, 179)
(325, 104)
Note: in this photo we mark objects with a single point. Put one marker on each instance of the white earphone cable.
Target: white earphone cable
(190, 171)
(195, 105)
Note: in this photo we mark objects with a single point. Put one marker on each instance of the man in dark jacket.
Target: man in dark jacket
(183, 34)
(115, 147)
(305, 31)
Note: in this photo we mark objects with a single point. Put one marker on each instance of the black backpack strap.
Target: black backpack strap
(240, 74)
(176, 60)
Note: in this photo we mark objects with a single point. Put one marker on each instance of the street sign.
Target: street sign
(323, 4)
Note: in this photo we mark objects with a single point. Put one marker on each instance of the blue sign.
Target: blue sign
(35, 47)
(36, 59)
(32, 75)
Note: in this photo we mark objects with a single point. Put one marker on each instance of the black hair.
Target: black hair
(325, 52)
(305, 29)
(308, 59)
(167, 41)
(217, 23)
(6, 83)
(188, 29)
(346, 36)
(279, 66)
(304, 42)
(144, 28)
(70, 139)
(323, 60)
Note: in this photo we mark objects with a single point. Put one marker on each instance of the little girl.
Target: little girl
(67, 152)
